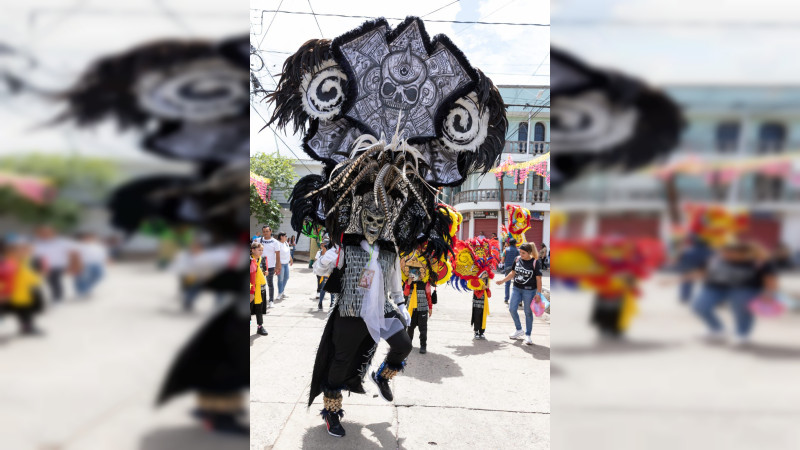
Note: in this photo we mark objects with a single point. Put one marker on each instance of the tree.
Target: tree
(281, 173)
(77, 180)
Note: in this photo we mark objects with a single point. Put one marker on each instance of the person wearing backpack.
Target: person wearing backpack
(527, 276)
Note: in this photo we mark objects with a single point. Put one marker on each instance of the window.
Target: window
(522, 133)
(538, 132)
(771, 138)
(727, 137)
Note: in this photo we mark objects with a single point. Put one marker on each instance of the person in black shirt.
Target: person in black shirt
(527, 275)
(737, 274)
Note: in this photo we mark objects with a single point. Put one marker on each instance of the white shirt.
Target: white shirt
(92, 253)
(55, 252)
(286, 252)
(271, 246)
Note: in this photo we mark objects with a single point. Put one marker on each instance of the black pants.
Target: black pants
(270, 276)
(419, 319)
(54, 282)
(348, 333)
(477, 320)
(259, 313)
(606, 315)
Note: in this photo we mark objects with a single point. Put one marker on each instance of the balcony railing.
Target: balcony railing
(527, 148)
(509, 195)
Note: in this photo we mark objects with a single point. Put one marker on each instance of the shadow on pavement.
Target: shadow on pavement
(610, 347)
(253, 337)
(191, 437)
(539, 352)
(432, 367)
(318, 437)
(478, 348)
(769, 351)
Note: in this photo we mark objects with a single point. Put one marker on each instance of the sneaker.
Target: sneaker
(319, 309)
(476, 337)
(423, 350)
(482, 337)
(284, 296)
(516, 334)
(383, 386)
(528, 340)
(262, 331)
(506, 302)
(271, 304)
(334, 425)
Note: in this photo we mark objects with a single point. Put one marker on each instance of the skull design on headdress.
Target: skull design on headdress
(372, 219)
(402, 75)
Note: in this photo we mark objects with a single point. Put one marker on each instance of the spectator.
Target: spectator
(693, 256)
(93, 258)
(527, 275)
(271, 253)
(494, 236)
(24, 295)
(323, 267)
(285, 261)
(482, 235)
(739, 273)
(256, 280)
(54, 253)
(292, 245)
(544, 257)
(510, 254)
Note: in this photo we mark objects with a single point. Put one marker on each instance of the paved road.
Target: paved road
(461, 394)
(665, 388)
(91, 381)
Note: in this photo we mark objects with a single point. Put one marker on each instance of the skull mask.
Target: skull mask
(372, 221)
(402, 76)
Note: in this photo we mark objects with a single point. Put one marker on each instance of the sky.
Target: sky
(685, 41)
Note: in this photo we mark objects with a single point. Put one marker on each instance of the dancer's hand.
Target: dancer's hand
(406, 315)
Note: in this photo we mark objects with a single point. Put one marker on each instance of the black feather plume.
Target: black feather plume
(286, 98)
(106, 88)
(306, 210)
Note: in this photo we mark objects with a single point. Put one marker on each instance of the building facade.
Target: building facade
(528, 136)
(723, 123)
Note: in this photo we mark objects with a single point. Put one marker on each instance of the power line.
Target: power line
(397, 18)
(275, 133)
(483, 17)
(270, 23)
(443, 7)
(315, 19)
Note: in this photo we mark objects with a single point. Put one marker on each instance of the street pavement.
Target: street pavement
(491, 394)
(663, 387)
(91, 381)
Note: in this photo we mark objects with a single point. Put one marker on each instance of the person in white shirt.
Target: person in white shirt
(93, 257)
(54, 253)
(272, 254)
(285, 256)
(324, 264)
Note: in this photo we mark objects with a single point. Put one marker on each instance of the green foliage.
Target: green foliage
(72, 176)
(280, 171)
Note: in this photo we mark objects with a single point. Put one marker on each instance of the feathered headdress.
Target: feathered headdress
(519, 221)
(393, 115)
(188, 97)
(474, 263)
